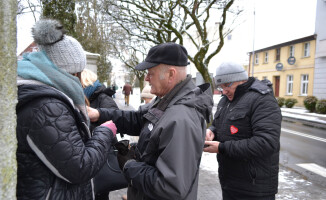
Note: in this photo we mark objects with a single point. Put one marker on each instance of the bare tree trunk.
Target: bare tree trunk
(8, 99)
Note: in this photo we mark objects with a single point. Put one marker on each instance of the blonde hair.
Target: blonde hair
(87, 78)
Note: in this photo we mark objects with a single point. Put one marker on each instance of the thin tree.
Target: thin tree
(196, 24)
(94, 33)
(8, 100)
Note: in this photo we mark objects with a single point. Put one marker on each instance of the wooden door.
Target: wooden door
(276, 86)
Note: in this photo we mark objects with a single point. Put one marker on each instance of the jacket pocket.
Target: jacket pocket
(252, 172)
(237, 116)
(239, 125)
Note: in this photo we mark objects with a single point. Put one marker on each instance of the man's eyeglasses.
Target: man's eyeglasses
(224, 86)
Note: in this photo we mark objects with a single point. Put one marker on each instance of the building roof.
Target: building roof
(300, 40)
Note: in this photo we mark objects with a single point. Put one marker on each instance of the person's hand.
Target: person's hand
(111, 126)
(93, 114)
(209, 135)
(122, 159)
(212, 146)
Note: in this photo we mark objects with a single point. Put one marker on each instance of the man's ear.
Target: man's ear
(172, 73)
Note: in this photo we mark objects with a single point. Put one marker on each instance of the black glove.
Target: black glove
(124, 157)
(122, 146)
(124, 153)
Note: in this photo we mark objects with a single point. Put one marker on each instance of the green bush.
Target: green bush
(310, 103)
(280, 101)
(321, 106)
(289, 103)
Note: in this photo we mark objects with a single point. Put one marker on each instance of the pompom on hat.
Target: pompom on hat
(146, 92)
(229, 72)
(63, 50)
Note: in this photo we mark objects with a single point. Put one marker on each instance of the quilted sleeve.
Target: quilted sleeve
(56, 139)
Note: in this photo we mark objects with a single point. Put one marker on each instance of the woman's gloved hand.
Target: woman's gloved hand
(111, 126)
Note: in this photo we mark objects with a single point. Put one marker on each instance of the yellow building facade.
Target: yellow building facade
(289, 66)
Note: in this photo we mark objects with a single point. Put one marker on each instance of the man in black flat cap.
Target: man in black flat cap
(172, 129)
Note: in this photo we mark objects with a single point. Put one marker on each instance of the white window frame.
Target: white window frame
(291, 51)
(256, 59)
(266, 57)
(306, 49)
(304, 84)
(289, 85)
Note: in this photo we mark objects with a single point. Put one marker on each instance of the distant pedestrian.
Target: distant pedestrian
(127, 90)
(114, 88)
(245, 134)
(57, 156)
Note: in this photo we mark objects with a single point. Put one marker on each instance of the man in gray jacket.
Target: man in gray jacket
(172, 129)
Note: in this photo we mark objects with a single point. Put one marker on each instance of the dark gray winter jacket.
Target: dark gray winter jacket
(56, 156)
(249, 130)
(172, 134)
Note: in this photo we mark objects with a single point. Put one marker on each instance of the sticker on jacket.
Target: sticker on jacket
(150, 127)
(233, 129)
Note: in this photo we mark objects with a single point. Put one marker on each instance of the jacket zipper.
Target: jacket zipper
(49, 193)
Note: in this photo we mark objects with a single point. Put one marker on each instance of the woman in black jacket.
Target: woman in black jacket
(99, 97)
(57, 155)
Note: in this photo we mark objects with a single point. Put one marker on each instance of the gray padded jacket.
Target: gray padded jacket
(172, 134)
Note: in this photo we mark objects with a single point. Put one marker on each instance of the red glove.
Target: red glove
(111, 126)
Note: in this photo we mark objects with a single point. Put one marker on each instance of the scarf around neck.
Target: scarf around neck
(37, 66)
(89, 90)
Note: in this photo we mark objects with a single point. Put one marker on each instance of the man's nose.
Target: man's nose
(146, 77)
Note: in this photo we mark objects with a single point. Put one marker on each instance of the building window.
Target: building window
(306, 52)
(278, 54)
(291, 51)
(256, 59)
(266, 57)
(289, 85)
(304, 84)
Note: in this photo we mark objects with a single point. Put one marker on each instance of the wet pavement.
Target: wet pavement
(292, 185)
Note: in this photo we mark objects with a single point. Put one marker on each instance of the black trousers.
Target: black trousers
(231, 195)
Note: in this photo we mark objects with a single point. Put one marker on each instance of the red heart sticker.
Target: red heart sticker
(233, 129)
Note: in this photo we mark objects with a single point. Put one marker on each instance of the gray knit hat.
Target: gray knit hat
(229, 72)
(63, 50)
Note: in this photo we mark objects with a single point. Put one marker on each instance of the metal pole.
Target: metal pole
(253, 46)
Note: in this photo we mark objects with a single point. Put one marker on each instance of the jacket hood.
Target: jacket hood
(109, 91)
(263, 87)
(27, 93)
(199, 97)
(101, 89)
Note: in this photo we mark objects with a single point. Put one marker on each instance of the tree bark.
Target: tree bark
(8, 100)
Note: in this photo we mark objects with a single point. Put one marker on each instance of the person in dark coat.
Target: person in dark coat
(245, 134)
(114, 89)
(171, 129)
(57, 156)
(127, 90)
(98, 95)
